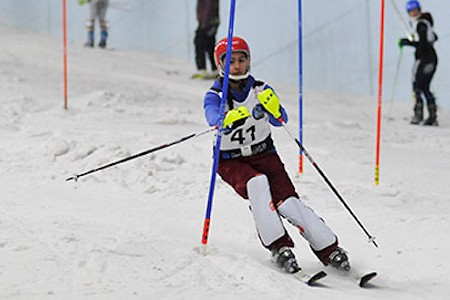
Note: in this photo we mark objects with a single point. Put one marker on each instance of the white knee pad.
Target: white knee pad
(267, 221)
(103, 25)
(90, 24)
(311, 226)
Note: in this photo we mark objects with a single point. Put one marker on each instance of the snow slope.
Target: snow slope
(131, 232)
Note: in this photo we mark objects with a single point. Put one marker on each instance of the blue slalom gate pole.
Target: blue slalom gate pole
(300, 84)
(207, 221)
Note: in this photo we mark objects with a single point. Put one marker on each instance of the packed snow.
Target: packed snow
(133, 231)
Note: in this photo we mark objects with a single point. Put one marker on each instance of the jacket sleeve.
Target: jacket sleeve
(422, 42)
(284, 116)
(211, 105)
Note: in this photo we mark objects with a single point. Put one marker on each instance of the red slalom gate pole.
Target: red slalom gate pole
(380, 93)
(65, 51)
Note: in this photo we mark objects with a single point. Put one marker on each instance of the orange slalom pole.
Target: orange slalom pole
(380, 93)
(65, 52)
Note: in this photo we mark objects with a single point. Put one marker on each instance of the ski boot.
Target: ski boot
(431, 122)
(338, 259)
(90, 42)
(285, 260)
(432, 119)
(103, 37)
(213, 75)
(418, 114)
(201, 74)
(416, 120)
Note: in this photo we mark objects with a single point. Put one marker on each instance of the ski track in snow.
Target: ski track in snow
(131, 232)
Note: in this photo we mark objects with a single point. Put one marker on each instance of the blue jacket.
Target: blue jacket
(211, 103)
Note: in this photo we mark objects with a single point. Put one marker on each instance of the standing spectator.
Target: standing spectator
(97, 10)
(426, 61)
(249, 163)
(205, 37)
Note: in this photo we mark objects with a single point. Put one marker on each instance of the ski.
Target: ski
(309, 279)
(366, 278)
(362, 279)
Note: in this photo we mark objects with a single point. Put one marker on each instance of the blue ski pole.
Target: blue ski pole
(300, 85)
(207, 220)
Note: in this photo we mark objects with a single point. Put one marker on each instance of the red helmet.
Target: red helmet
(238, 45)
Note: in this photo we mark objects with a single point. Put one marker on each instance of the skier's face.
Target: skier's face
(238, 63)
(414, 13)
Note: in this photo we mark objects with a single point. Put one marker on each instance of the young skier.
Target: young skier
(97, 10)
(425, 64)
(250, 164)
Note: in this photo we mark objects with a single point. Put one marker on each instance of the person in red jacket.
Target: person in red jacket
(205, 37)
(249, 163)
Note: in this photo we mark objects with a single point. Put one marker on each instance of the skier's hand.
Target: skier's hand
(270, 102)
(235, 118)
(82, 2)
(403, 42)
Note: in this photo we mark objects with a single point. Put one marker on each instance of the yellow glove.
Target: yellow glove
(82, 2)
(270, 102)
(233, 116)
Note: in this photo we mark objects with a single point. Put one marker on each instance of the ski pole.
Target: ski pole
(330, 185)
(394, 87)
(400, 17)
(209, 204)
(300, 84)
(163, 146)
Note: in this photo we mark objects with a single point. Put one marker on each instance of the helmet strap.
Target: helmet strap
(239, 77)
